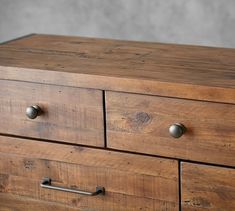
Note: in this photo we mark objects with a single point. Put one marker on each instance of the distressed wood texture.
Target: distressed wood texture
(207, 188)
(140, 123)
(184, 71)
(132, 182)
(69, 114)
(10, 202)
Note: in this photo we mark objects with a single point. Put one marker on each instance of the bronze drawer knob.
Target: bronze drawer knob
(33, 111)
(177, 130)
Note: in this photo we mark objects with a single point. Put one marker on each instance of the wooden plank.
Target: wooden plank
(69, 114)
(132, 182)
(9, 202)
(141, 124)
(183, 71)
(207, 188)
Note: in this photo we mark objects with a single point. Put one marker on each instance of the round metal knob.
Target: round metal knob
(177, 130)
(33, 111)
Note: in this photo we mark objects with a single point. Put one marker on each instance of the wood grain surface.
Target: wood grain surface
(132, 182)
(10, 202)
(71, 115)
(207, 188)
(184, 71)
(141, 123)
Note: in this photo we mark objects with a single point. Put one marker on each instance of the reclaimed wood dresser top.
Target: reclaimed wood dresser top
(184, 71)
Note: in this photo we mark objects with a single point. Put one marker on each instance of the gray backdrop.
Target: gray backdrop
(201, 22)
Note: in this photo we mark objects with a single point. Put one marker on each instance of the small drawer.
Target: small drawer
(207, 187)
(141, 123)
(57, 113)
(130, 181)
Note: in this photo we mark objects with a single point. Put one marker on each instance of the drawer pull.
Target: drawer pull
(177, 130)
(33, 111)
(46, 183)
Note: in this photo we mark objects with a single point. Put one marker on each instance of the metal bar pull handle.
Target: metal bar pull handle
(46, 183)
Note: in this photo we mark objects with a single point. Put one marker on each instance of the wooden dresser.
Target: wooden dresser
(106, 125)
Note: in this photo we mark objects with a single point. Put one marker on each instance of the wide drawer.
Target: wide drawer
(67, 114)
(207, 187)
(10, 202)
(141, 123)
(131, 182)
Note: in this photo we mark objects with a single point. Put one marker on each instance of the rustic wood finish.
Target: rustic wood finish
(184, 71)
(116, 96)
(132, 182)
(70, 114)
(140, 123)
(207, 188)
(9, 202)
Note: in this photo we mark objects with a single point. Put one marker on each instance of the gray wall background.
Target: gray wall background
(200, 22)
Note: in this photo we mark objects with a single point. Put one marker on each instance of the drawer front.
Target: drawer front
(131, 182)
(207, 188)
(9, 202)
(67, 114)
(141, 123)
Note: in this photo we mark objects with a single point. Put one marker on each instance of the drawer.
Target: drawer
(207, 187)
(141, 123)
(9, 202)
(67, 114)
(131, 182)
